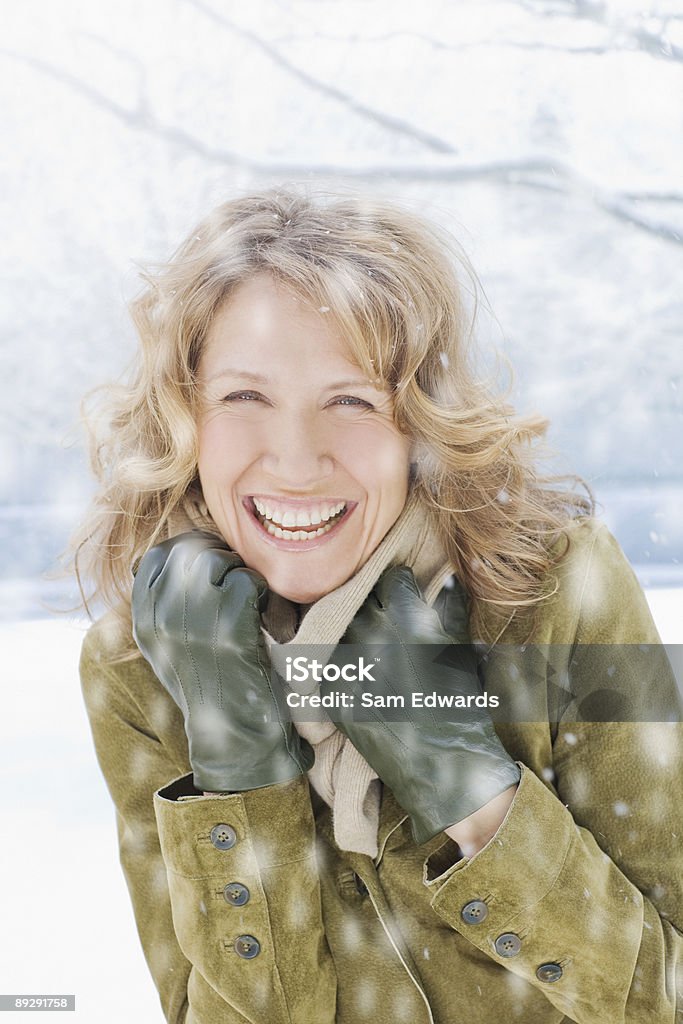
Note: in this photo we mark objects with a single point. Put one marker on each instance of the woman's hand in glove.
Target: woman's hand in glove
(196, 619)
(443, 764)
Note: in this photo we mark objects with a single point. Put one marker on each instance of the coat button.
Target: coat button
(474, 912)
(247, 947)
(508, 944)
(549, 972)
(223, 837)
(236, 894)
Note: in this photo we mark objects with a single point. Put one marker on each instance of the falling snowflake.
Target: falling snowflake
(159, 880)
(404, 1007)
(620, 809)
(298, 912)
(351, 933)
(260, 990)
(366, 996)
(659, 742)
(160, 956)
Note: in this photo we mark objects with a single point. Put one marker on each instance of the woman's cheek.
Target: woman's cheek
(226, 447)
(374, 452)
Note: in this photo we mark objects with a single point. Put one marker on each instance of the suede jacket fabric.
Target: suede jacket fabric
(248, 911)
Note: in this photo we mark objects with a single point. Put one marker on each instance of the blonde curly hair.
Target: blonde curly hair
(390, 280)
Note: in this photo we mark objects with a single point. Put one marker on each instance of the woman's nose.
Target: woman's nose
(297, 452)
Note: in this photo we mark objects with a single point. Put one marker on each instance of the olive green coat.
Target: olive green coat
(586, 871)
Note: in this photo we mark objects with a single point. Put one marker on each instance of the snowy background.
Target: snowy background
(548, 134)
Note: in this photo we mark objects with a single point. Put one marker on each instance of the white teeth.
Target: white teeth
(301, 535)
(302, 517)
(329, 511)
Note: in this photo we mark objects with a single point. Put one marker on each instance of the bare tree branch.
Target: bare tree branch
(535, 173)
(125, 55)
(652, 43)
(655, 44)
(589, 10)
(138, 119)
(393, 124)
(653, 197)
(132, 60)
(437, 44)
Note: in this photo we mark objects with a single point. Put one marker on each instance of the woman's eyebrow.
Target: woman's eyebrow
(258, 378)
(227, 371)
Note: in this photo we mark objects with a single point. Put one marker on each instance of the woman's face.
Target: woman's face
(301, 465)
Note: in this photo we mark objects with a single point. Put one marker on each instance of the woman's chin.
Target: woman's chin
(300, 595)
(300, 591)
(301, 587)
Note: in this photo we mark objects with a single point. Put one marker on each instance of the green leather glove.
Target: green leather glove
(440, 764)
(196, 619)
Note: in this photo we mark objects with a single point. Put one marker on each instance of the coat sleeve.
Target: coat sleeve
(583, 882)
(198, 933)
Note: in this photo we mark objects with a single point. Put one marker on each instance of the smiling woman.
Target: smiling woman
(304, 458)
(297, 452)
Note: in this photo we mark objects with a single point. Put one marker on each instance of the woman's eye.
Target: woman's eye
(247, 396)
(349, 400)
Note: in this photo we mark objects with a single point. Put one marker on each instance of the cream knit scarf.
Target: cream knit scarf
(344, 780)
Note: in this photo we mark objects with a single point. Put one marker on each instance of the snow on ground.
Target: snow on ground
(68, 926)
(666, 605)
(67, 920)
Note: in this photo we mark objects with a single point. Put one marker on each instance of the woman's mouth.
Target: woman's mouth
(298, 526)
